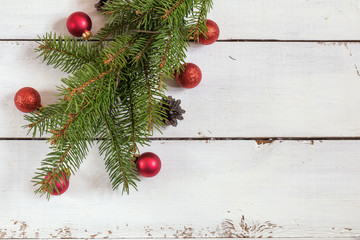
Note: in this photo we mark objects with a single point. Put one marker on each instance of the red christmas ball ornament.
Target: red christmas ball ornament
(27, 99)
(190, 76)
(61, 186)
(79, 25)
(211, 35)
(148, 164)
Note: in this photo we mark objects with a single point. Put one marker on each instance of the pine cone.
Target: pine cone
(173, 111)
(100, 4)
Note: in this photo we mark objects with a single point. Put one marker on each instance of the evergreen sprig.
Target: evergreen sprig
(115, 86)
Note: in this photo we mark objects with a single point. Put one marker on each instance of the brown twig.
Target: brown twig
(168, 12)
(112, 57)
(62, 131)
(142, 51)
(40, 120)
(80, 88)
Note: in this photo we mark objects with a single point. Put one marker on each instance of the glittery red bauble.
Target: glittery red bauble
(27, 99)
(190, 76)
(61, 186)
(148, 164)
(78, 23)
(211, 35)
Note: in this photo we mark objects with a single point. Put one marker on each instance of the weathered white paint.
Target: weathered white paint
(238, 19)
(294, 189)
(248, 89)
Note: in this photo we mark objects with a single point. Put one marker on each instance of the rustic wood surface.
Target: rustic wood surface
(269, 147)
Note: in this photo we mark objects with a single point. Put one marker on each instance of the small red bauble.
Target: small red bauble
(27, 99)
(190, 76)
(148, 164)
(79, 25)
(211, 35)
(61, 186)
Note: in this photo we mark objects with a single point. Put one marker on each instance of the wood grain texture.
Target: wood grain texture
(238, 19)
(248, 89)
(218, 189)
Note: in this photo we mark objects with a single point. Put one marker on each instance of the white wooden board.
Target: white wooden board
(205, 189)
(238, 19)
(248, 89)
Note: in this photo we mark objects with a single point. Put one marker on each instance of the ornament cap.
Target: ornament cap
(78, 24)
(87, 35)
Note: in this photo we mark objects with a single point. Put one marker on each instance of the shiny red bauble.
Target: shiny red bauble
(27, 99)
(190, 76)
(79, 24)
(211, 35)
(148, 164)
(61, 186)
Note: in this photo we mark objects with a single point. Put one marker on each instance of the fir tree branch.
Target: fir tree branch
(110, 31)
(118, 154)
(197, 30)
(39, 121)
(131, 110)
(60, 133)
(54, 170)
(168, 12)
(200, 26)
(164, 59)
(65, 53)
(148, 84)
(112, 57)
(79, 89)
(118, 160)
(143, 50)
(48, 49)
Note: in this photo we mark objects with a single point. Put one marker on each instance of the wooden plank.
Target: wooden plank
(245, 19)
(218, 189)
(248, 90)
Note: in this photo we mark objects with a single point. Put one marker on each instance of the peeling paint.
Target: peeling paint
(264, 141)
(355, 66)
(357, 70)
(247, 229)
(241, 227)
